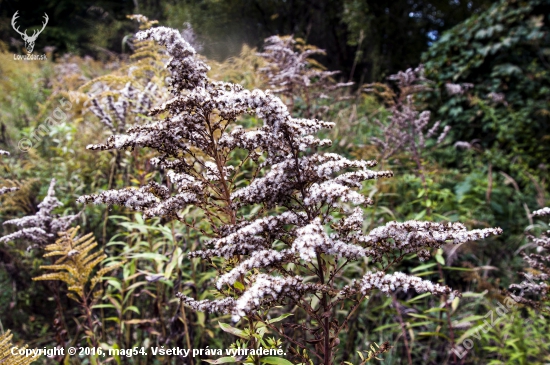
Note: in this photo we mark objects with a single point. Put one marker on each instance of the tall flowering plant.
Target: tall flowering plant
(43, 227)
(284, 221)
(534, 289)
(291, 72)
(5, 189)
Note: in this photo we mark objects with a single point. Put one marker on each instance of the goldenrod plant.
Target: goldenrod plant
(237, 195)
(407, 127)
(123, 98)
(292, 72)
(22, 200)
(4, 189)
(284, 221)
(75, 265)
(6, 355)
(534, 290)
(41, 228)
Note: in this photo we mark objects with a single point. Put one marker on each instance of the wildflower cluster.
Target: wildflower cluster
(308, 221)
(536, 280)
(388, 283)
(122, 100)
(406, 127)
(113, 107)
(5, 189)
(458, 89)
(43, 227)
(291, 71)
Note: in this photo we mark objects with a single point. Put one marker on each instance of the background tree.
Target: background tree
(366, 39)
(504, 53)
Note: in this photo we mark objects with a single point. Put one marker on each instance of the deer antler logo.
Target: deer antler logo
(29, 41)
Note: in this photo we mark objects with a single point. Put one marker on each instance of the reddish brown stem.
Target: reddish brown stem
(402, 324)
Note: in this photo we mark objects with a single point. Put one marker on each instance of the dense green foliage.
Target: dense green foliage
(505, 53)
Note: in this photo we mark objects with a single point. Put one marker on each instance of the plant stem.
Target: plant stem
(402, 324)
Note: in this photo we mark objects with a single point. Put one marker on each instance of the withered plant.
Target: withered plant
(40, 231)
(534, 290)
(406, 132)
(6, 355)
(407, 127)
(281, 222)
(123, 98)
(5, 189)
(76, 261)
(292, 72)
(41, 228)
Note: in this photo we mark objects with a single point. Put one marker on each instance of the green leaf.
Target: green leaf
(131, 308)
(115, 283)
(423, 267)
(150, 256)
(439, 257)
(275, 360)
(238, 285)
(98, 306)
(471, 319)
(415, 315)
(222, 360)
(439, 334)
(135, 285)
(420, 215)
(454, 303)
(424, 295)
(234, 331)
(385, 326)
(280, 318)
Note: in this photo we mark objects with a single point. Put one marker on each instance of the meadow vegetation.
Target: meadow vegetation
(265, 201)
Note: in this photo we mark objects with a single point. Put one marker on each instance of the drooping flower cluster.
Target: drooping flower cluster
(497, 98)
(458, 89)
(5, 189)
(245, 239)
(115, 107)
(388, 283)
(187, 71)
(300, 193)
(541, 212)
(418, 237)
(536, 281)
(268, 288)
(43, 227)
(122, 100)
(291, 71)
(406, 129)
